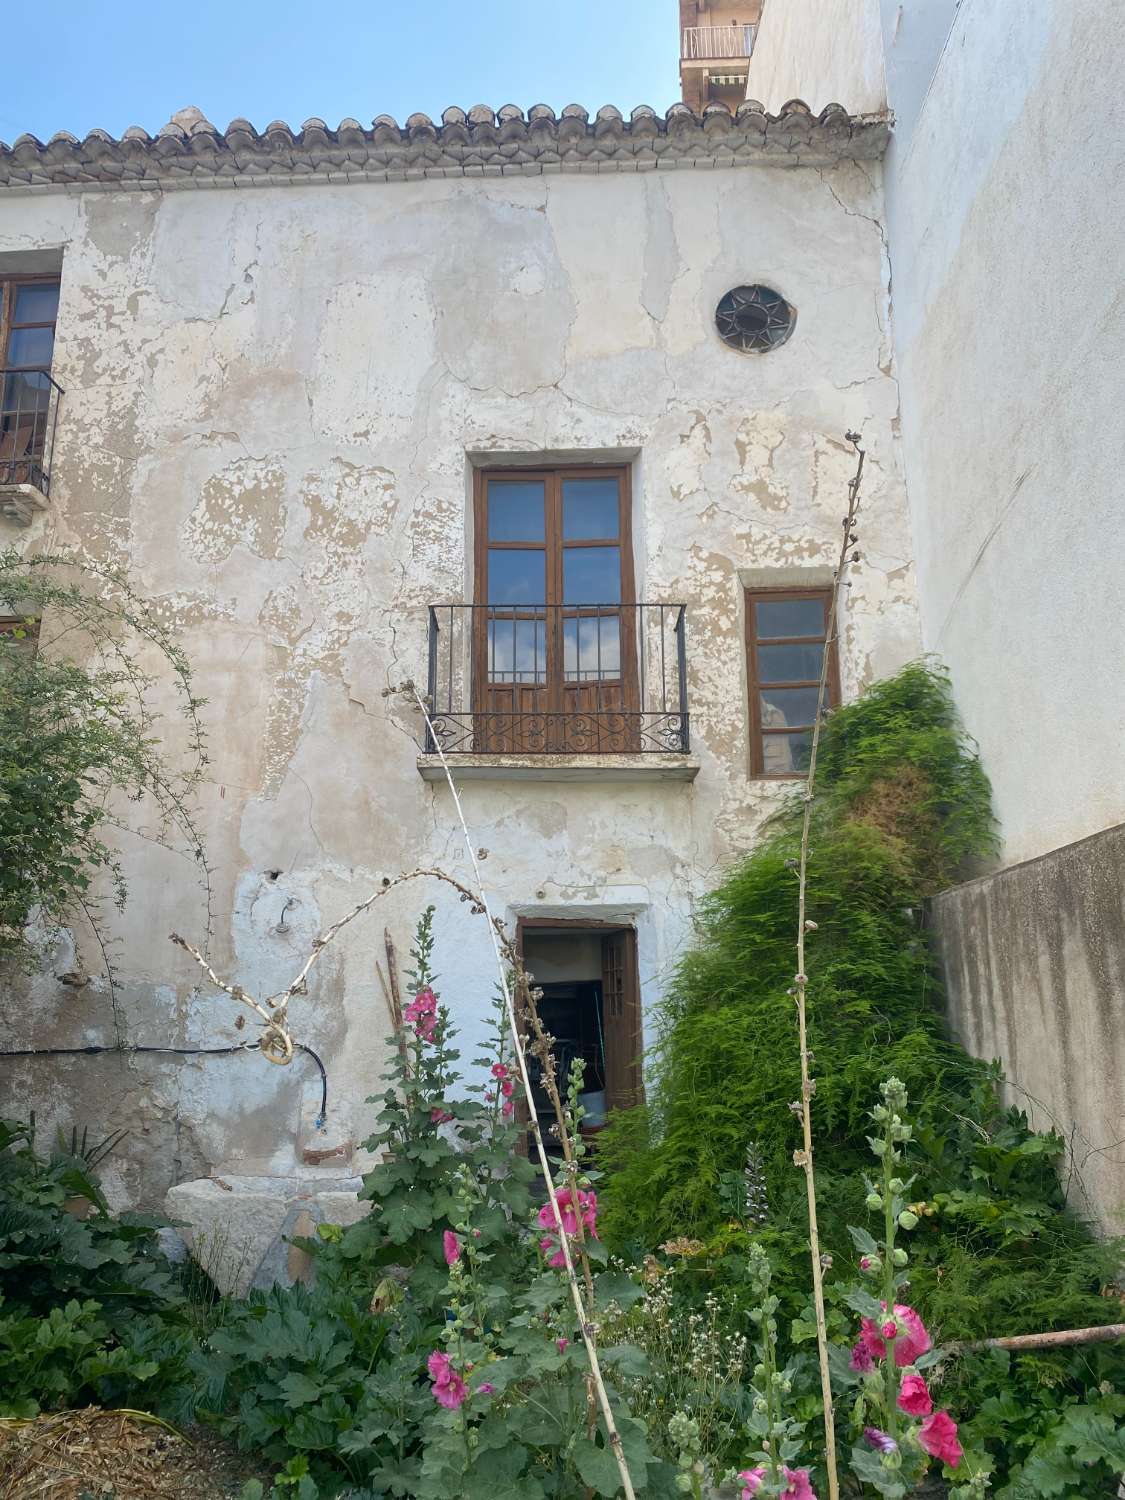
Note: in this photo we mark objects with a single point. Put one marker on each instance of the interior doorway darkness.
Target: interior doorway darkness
(591, 1006)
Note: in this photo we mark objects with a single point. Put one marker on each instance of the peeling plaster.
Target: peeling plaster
(271, 397)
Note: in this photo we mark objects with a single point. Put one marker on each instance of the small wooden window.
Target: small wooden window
(28, 309)
(786, 630)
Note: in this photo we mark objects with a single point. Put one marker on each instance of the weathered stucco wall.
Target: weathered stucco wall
(274, 397)
(1010, 347)
(1035, 966)
(821, 51)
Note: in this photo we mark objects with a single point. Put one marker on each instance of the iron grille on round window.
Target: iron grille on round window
(754, 319)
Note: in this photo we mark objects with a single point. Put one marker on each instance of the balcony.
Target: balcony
(705, 44)
(559, 691)
(29, 410)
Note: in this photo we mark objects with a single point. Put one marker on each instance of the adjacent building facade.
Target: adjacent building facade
(544, 414)
(1002, 213)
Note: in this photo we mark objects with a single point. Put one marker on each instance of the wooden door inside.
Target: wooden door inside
(621, 1011)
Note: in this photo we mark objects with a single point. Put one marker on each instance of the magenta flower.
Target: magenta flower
(485, 1389)
(449, 1388)
(421, 1013)
(866, 1263)
(451, 1246)
(938, 1435)
(499, 1070)
(507, 1088)
(797, 1485)
(912, 1339)
(861, 1360)
(587, 1206)
(914, 1397)
(439, 1116)
(563, 1345)
(509, 1109)
(875, 1438)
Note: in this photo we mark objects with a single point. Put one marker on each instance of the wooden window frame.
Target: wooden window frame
(560, 700)
(758, 733)
(9, 285)
(553, 539)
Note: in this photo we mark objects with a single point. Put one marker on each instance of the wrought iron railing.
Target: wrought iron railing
(29, 412)
(558, 679)
(702, 42)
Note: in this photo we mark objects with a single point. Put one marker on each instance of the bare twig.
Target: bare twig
(804, 1157)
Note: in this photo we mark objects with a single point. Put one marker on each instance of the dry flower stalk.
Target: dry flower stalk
(804, 1157)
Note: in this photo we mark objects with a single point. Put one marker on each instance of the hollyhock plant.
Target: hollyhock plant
(914, 1397)
(797, 1483)
(421, 1013)
(938, 1436)
(906, 1330)
(449, 1388)
(571, 1204)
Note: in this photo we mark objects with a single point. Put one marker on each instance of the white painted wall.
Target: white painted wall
(1005, 200)
(271, 396)
(821, 51)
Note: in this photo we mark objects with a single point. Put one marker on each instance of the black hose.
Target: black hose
(94, 1051)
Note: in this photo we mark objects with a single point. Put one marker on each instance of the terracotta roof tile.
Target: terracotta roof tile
(190, 152)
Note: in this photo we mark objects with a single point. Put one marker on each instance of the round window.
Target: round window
(754, 319)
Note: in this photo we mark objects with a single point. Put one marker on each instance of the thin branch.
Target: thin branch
(804, 1157)
(1107, 1333)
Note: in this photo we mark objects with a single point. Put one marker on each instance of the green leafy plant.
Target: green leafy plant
(80, 741)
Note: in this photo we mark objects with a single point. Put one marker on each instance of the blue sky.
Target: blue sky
(116, 63)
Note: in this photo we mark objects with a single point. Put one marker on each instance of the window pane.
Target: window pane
(786, 754)
(515, 511)
(789, 617)
(591, 575)
(590, 508)
(517, 650)
(781, 706)
(516, 577)
(36, 304)
(592, 648)
(31, 346)
(790, 663)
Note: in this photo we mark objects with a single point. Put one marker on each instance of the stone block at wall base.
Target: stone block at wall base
(236, 1227)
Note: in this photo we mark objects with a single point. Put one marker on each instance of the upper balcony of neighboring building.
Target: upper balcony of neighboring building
(716, 44)
(716, 41)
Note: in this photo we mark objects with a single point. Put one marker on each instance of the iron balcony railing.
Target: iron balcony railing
(702, 43)
(29, 412)
(558, 679)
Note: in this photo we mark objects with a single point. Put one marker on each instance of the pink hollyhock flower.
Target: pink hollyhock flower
(752, 1482)
(911, 1342)
(866, 1263)
(507, 1088)
(439, 1116)
(509, 1109)
(563, 1345)
(799, 1486)
(875, 1438)
(861, 1360)
(569, 1207)
(485, 1389)
(449, 1389)
(421, 1013)
(499, 1070)
(914, 1397)
(938, 1435)
(451, 1246)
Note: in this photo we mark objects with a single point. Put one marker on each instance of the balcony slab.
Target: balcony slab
(589, 768)
(20, 502)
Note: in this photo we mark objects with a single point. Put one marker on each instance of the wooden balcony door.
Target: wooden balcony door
(555, 633)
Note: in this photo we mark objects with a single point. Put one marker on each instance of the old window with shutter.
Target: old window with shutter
(786, 632)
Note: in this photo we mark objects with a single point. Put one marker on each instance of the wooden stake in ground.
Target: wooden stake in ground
(804, 1157)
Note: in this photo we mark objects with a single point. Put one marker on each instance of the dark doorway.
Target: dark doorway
(591, 1006)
